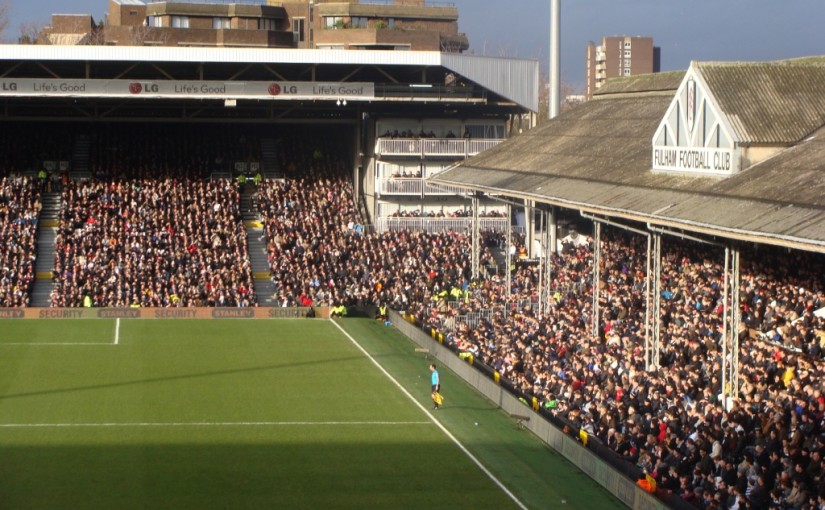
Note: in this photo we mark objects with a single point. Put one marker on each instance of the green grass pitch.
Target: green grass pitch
(242, 414)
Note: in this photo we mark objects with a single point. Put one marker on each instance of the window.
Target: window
(180, 21)
(220, 23)
(391, 22)
(333, 22)
(154, 21)
(269, 24)
(298, 28)
(627, 45)
(360, 22)
(626, 53)
(626, 72)
(627, 63)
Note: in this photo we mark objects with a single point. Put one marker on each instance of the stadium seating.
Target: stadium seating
(19, 209)
(150, 228)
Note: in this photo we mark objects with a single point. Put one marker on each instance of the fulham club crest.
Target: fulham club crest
(691, 104)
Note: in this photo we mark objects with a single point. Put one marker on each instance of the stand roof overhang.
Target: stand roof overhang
(597, 158)
(513, 80)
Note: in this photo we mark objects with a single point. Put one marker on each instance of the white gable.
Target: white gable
(694, 137)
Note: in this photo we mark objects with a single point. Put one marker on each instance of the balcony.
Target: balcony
(414, 186)
(436, 224)
(433, 147)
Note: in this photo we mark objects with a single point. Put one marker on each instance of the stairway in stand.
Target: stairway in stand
(264, 288)
(80, 158)
(44, 265)
(269, 159)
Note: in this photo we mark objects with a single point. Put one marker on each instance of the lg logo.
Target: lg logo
(276, 89)
(137, 88)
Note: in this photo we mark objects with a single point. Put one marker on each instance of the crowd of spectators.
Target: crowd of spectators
(672, 422)
(19, 209)
(763, 448)
(151, 228)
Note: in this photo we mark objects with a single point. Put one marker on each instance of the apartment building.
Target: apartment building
(619, 56)
(412, 25)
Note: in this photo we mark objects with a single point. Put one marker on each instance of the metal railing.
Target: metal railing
(415, 186)
(435, 225)
(401, 186)
(421, 147)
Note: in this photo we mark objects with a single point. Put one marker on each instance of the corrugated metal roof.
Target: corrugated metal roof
(597, 157)
(651, 82)
(513, 79)
(517, 80)
(771, 102)
(128, 2)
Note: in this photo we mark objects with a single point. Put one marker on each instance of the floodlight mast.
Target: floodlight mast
(555, 58)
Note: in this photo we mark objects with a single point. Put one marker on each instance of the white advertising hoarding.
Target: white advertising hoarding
(166, 89)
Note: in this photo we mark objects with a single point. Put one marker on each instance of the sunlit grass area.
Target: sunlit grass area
(254, 414)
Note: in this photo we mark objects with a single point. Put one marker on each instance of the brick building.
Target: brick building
(349, 24)
(619, 56)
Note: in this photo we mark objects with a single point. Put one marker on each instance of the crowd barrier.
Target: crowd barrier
(595, 459)
(162, 313)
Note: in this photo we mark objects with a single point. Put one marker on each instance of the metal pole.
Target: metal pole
(542, 248)
(547, 273)
(509, 245)
(530, 227)
(649, 289)
(476, 235)
(725, 332)
(555, 58)
(733, 378)
(597, 249)
(657, 300)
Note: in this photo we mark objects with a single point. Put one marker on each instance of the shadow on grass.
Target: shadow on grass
(337, 471)
(313, 363)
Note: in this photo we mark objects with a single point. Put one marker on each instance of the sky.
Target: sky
(685, 30)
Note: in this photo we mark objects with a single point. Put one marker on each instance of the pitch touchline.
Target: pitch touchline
(212, 424)
(37, 344)
(446, 432)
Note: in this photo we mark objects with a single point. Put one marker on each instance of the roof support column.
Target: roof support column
(509, 269)
(529, 227)
(730, 332)
(597, 276)
(542, 257)
(476, 238)
(653, 281)
(653, 317)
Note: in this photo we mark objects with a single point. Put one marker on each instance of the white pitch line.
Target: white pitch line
(117, 331)
(35, 344)
(213, 424)
(472, 457)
